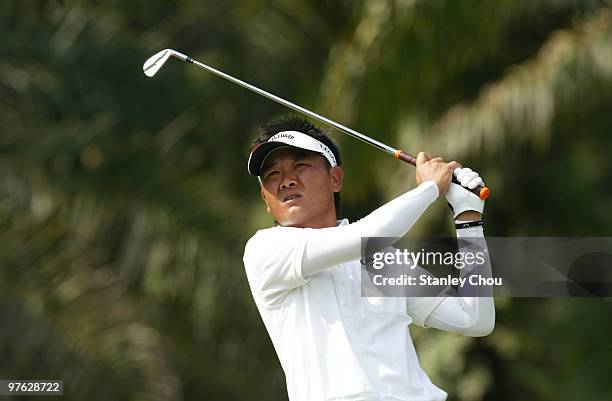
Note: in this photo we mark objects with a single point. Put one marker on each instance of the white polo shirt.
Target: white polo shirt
(332, 343)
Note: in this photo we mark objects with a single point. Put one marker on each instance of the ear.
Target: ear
(337, 175)
(263, 196)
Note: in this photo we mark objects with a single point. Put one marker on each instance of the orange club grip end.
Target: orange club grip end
(484, 193)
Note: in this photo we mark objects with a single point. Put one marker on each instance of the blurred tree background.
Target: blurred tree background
(125, 202)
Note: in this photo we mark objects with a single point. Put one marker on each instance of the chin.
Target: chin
(295, 219)
(292, 222)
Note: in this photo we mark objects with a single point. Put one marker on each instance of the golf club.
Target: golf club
(155, 62)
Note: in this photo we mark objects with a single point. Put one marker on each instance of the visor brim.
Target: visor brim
(259, 154)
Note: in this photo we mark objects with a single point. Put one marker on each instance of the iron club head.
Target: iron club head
(155, 62)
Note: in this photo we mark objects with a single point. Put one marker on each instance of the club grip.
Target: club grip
(482, 192)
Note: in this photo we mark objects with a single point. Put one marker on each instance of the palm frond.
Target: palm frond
(524, 103)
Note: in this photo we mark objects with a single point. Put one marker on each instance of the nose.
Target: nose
(288, 181)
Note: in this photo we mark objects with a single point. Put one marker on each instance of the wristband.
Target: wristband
(468, 224)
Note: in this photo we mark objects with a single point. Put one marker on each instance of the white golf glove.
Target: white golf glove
(459, 198)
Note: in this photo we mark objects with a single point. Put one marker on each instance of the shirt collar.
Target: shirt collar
(343, 222)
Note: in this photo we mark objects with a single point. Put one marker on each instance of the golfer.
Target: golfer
(304, 273)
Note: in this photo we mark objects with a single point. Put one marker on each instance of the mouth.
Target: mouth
(291, 197)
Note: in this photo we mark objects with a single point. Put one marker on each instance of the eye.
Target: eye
(300, 165)
(271, 174)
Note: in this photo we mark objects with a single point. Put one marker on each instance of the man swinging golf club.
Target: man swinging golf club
(332, 343)
(304, 273)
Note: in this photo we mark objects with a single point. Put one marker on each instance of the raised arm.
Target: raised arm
(334, 245)
(328, 247)
(467, 314)
(472, 312)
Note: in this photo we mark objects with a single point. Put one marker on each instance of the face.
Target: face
(298, 187)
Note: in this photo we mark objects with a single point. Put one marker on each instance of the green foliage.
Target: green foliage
(125, 202)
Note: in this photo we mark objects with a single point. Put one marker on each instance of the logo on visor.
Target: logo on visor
(301, 140)
(328, 152)
(281, 135)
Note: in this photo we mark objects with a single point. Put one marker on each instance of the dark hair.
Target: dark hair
(296, 123)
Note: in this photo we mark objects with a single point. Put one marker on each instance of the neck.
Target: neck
(328, 220)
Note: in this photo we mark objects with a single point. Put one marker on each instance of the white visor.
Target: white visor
(287, 138)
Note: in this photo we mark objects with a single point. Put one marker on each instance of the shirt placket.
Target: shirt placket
(345, 288)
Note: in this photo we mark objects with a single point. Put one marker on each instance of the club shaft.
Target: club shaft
(481, 192)
(294, 106)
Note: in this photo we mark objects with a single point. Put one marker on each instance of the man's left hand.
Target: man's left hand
(462, 201)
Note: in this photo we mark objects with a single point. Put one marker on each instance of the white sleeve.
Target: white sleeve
(334, 245)
(420, 308)
(272, 260)
(470, 316)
